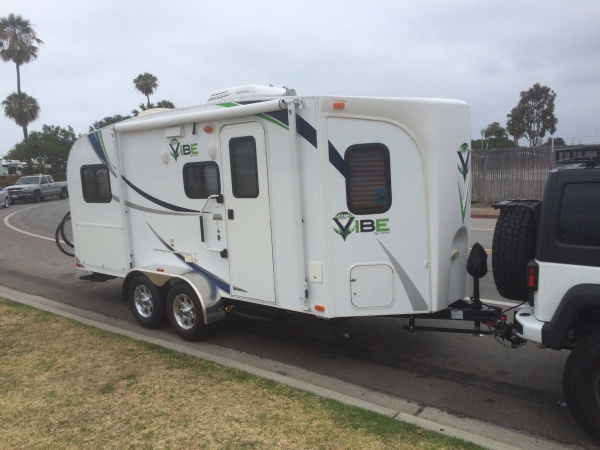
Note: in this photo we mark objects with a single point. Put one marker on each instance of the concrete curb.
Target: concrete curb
(481, 433)
(484, 216)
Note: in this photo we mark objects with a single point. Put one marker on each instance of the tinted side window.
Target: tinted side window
(579, 220)
(200, 180)
(95, 183)
(244, 173)
(368, 185)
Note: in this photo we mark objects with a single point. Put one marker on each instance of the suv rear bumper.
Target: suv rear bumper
(528, 327)
(531, 329)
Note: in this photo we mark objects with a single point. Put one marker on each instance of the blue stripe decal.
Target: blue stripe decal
(336, 160)
(98, 147)
(218, 282)
(308, 132)
(157, 201)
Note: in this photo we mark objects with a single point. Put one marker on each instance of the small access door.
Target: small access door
(248, 215)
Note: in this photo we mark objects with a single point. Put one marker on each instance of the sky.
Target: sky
(484, 52)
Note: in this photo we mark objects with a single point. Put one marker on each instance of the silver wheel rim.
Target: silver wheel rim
(6, 202)
(144, 303)
(184, 311)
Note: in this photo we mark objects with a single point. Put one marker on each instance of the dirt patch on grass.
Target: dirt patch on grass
(66, 385)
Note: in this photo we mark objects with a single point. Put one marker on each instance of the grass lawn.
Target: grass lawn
(66, 385)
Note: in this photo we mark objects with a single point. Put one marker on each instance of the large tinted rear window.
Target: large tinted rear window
(579, 220)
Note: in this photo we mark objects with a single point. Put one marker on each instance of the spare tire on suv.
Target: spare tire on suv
(514, 245)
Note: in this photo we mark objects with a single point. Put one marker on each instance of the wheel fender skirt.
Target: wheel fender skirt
(553, 338)
(209, 296)
(575, 299)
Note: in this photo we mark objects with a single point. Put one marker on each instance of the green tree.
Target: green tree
(515, 129)
(534, 115)
(21, 108)
(50, 146)
(494, 130)
(108, 120)
(146, 83)
(18, 43)
(558, 142)
(493, 136)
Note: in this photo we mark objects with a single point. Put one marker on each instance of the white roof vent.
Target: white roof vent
(248, 92)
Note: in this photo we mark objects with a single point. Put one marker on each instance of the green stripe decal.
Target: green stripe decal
(260, 115)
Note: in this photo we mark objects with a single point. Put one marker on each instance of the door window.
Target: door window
(244, 173)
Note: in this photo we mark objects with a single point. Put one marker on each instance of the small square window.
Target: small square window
(201, 180)
(95, 184)
(368, 185)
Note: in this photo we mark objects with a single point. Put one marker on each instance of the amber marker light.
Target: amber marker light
(208, 129)
(339, 105)
(319, 308)
(160, 269)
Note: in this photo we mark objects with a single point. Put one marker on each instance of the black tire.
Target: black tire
(581, 383)
(512, 248)
(66, 228)
(37, 197)
(184, 312)
(146, 302)
(63, 193)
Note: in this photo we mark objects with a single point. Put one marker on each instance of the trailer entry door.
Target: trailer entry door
(248, 216)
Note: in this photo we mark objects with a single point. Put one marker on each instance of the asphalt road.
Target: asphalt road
(468, 376)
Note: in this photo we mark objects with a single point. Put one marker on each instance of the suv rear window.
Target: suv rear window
(579, 220)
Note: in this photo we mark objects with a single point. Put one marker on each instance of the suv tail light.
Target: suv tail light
(532, 275)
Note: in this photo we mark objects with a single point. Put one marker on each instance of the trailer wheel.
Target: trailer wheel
(581, 383)
(37, 197)
(146, 302)
(63, 193)
(512, 248)
(184, 312)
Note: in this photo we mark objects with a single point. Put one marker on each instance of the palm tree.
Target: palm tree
(146, 83)
(18, 42)
(21, 108)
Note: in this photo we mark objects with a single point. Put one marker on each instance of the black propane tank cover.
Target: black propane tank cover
(477, 262)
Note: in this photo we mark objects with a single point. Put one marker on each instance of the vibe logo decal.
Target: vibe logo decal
(464, 163)
(178, 149)
(344, 224)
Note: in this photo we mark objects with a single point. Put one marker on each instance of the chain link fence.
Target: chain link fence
(517, 173)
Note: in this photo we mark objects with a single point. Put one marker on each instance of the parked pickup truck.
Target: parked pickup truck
(36, 188)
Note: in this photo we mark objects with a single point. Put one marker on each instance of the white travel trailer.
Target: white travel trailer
(261, 200)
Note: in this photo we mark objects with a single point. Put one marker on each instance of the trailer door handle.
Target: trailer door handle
(230, 214)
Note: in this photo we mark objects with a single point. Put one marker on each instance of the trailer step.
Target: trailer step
(264, 314)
